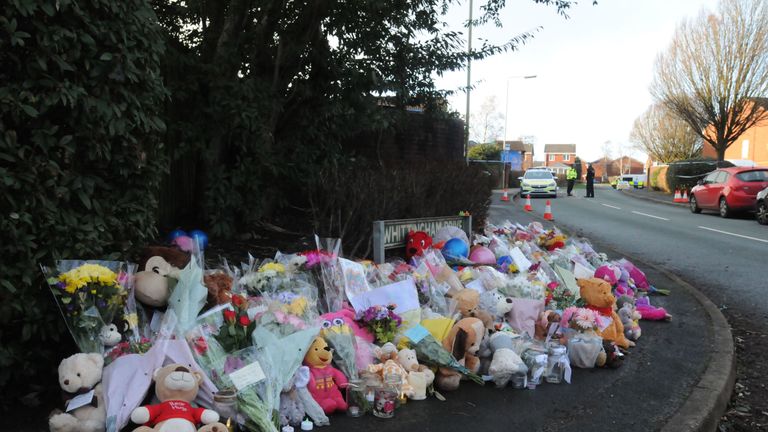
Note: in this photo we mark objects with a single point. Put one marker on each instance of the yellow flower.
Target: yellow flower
(276, 267)
(297, 306)
(132, 320)
(79, 277)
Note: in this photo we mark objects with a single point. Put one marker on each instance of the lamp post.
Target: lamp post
(505, 145)
(469, 85)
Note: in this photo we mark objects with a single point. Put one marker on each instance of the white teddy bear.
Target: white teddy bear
(79, 374)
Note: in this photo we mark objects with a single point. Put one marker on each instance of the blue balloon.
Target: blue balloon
(455, 248)
(176, 234)
(200, 237)
(504, 261)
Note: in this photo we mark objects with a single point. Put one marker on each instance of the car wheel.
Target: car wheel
(762, 213)
(693, 204)
(725, 212)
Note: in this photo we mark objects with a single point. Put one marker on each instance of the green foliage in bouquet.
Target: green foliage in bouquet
(80, 158)
(235, 333)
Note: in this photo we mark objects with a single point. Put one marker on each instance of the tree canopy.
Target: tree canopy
(715, 69)
(664, 136)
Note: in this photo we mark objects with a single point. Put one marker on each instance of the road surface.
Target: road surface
(727, 259)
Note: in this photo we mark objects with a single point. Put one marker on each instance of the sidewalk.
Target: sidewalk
(652, 195)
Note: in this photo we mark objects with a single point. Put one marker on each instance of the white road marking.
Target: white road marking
(651, 216)
(613, 207)
(732, 234)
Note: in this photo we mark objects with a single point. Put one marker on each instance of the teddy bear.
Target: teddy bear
(496, 304)
(296, 401)
(420, 377)
(463, 342)
(468, 306)
(597, 295)
(154, 283)
(389, 364)
(546, 320)
(504, 361)
(629, 317)
(324, 380)
(176, 386)
(219, 286)
(78, 375)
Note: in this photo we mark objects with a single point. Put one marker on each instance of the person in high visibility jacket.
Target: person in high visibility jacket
(570, 175)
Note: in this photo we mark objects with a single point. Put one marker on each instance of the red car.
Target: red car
(728, 190)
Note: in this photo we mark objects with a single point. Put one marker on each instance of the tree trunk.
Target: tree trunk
(721, 147)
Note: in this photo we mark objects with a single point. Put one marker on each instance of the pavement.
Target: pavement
(679, 377)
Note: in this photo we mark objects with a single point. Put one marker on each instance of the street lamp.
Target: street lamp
(505, 146)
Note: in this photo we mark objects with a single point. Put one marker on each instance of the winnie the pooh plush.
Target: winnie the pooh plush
(463, 341)
(597, 295)
(78, 375)
(176, 386)
(324, 380)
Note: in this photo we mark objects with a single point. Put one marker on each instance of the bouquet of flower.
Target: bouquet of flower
(430, 351)
(89, 295)
(269, 277)
(235, 332)
(558, 297)
(382, 321)
(342, 340)
(129, 347)
(580, 319)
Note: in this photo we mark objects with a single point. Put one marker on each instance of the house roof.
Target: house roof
(528, 148)
(559, 148)
(514, 145)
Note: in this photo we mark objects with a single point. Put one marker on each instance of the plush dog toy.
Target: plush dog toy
(78, 375)
(415, 243)
(496, 305)
(463, 341)
(176, 386)
(597, 295)
(324, 380)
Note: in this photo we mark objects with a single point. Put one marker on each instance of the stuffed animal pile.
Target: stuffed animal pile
(303, 337)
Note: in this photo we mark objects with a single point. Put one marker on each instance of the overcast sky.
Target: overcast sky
(593, 69)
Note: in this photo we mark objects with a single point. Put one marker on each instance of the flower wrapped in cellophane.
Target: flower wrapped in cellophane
(430, 351)
(90, 295)
(341, 339)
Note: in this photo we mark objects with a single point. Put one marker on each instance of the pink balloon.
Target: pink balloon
(482, 255)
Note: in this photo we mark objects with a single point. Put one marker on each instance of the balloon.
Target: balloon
(482, 255)
(455, 248)
(201, 237)
(446, 233)
(185, 243)
(176, 233)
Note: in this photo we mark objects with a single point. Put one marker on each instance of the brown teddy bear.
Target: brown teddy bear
(463, 341)
(598, 297)
(176, 386)
(219, 286)
(468, 305)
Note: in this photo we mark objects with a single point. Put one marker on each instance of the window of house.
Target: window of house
(566, 157)
(551, 157)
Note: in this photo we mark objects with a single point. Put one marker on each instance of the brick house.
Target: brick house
(556, 155)
(607, 168)
(752, 145)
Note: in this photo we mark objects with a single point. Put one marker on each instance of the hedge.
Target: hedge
(684, 174)
(80, 160)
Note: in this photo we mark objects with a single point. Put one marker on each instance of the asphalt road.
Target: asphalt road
(727, 259)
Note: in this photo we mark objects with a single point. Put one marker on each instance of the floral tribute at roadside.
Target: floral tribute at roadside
(301, 337)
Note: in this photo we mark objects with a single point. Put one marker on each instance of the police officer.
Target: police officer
(590, 182)
(570, 175)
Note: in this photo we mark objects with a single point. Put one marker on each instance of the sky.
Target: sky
(593, 70)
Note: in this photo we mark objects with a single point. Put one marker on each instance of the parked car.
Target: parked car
(537, 181)
(728, 190)
(761, 207)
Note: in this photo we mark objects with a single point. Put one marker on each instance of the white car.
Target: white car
(538, 182)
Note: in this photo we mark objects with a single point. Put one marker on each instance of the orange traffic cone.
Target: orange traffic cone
(505, 197)
(677, 197)
(548, 212)
(685, 196)
(528, 206)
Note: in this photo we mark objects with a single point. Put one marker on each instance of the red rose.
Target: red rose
(244, 321)
(237, 300)
(229, 315)
(201, 346)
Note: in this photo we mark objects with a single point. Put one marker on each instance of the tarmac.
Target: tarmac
(679, 377)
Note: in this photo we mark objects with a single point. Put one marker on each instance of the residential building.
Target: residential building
(559, 154)
(607, 168)
(752, 145)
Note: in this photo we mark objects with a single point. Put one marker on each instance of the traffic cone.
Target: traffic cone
(677, 197)
(505, 197)
(685, 196)
(548, 212)
(528, 207)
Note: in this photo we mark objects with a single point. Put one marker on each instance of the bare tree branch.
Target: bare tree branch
(664, 136)
(716, 70)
